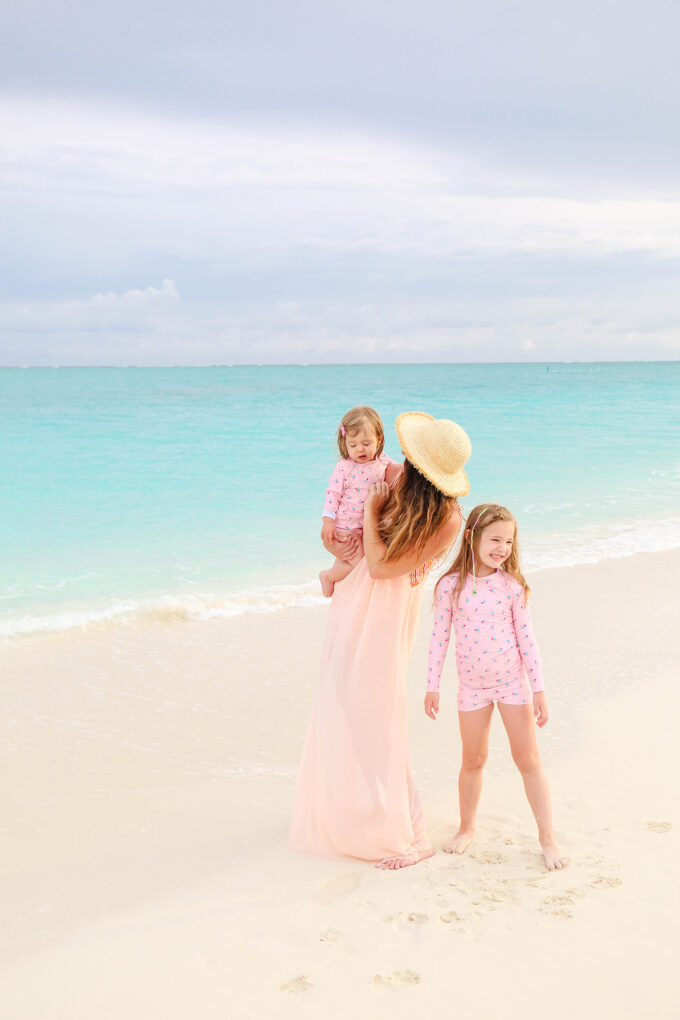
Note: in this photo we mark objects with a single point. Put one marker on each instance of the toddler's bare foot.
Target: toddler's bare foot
(459, 843)
(554, 858)
(326, 585)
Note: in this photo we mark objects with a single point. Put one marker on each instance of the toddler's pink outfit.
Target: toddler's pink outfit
(348, 490)
(495, 643)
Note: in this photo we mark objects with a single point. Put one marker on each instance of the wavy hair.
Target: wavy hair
(413, 514)
(479, 519)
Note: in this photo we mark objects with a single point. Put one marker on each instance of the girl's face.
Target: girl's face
(494, 545)
(362, 445)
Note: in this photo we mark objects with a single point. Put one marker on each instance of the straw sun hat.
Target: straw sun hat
(437, 448)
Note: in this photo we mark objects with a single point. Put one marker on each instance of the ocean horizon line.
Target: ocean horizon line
(336, 364)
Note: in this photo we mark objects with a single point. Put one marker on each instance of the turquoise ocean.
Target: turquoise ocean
(197, 492)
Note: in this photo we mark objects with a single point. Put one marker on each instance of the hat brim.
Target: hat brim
(409, 427)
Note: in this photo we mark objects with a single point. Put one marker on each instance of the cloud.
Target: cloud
(153, 326)
(134, 310)
(214, 190)
(586, 89)
(291, 244)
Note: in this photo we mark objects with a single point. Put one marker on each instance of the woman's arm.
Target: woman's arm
(375, 548)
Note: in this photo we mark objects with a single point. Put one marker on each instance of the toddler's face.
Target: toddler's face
(362, 445)
(494, 544)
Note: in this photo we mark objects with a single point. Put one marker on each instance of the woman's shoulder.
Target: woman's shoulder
(448, 532)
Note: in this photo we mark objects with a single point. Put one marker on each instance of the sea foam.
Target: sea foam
(587, 544)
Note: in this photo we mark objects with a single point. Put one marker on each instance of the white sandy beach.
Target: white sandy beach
(148, 775)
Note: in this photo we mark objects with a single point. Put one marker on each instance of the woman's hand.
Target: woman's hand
(344, 547)
(432, 704)
(378, 495)
(540, 708)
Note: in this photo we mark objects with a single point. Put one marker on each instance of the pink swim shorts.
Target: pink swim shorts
(514, 691)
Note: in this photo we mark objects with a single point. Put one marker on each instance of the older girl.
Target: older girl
(483, 598)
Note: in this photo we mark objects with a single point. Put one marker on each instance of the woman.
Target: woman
(355, 795)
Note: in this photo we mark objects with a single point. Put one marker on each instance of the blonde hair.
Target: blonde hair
(413, 514)
(353, 421)
(479, 519)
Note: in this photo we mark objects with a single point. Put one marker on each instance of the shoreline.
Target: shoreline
(150, 775)
(259, 592)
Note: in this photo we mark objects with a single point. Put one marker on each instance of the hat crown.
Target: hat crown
(447, 443)
(437, 448)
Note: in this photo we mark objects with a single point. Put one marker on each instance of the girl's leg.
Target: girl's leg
(339, 570)
(474, 730)
(521, 729)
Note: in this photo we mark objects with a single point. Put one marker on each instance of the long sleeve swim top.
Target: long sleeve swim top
(348, 490)
(494, 636)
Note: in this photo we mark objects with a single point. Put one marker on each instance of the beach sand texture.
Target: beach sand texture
(148, 776)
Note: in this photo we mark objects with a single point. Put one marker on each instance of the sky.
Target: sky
(373, 181)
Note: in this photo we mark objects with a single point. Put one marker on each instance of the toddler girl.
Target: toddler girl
(360, 441)
(484, 596)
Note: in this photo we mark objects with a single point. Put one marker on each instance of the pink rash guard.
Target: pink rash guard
(495, 643)
(348, 489)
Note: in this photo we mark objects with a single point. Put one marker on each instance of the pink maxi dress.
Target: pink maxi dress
(355, 794)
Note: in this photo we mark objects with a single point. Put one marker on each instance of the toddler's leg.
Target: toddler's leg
(521, 729)
(474, 731)
(339, 570)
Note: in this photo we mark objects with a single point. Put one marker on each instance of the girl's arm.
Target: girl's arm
(336, 486)
(375, 548)
(441, 633)
(526, 642)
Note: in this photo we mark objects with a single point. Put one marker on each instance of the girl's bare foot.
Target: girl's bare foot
(554, 858)
(326, 585)
(459, 843)
(394, 863)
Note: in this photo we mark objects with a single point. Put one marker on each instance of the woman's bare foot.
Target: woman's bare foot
(326, 585)
(554, 858)
(459, 843)
(394, 863)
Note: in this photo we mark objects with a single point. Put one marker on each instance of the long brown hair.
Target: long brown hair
(478, 520)
(413, 514)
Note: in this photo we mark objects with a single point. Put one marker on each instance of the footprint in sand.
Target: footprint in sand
(399, 977)
(340, 885)
(488, 857)
(605, 882)
(566, 915)
(559, 901)
(330, 935)
(497, 896)
(301, 983)
(658, 826)
(568, 896)
(451, 917)
(417, 918)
